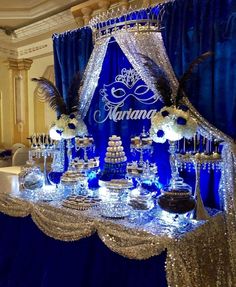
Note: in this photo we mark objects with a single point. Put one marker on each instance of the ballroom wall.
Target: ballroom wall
(40, 116)
(36, 116)
(6, 133)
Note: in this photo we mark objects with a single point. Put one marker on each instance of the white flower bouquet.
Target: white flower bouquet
(69, 123)
(67, 127)
(172, 123)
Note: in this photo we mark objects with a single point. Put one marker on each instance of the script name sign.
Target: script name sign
(126, 85)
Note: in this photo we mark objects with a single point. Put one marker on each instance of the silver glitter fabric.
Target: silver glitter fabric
(205, 265)
(227, 189)
(134, 45)
(196, 250)
(228, 196)
(91, 76)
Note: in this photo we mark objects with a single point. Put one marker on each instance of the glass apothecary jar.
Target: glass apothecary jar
(31, 177)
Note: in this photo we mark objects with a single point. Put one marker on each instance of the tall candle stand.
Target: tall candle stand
(85, 164)
(206, 159)
(139, 198)
(42, 146)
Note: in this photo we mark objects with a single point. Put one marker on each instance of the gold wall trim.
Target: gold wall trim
(85, 11)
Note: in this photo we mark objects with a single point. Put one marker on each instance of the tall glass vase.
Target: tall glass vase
(175, 178)
(176, 197)
(58, 163)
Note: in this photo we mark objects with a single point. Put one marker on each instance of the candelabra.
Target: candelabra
(139, 198)
(42, 146)
(85, 165)
(199, 161)
(202, 153)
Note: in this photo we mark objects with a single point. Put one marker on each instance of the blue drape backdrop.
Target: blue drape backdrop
(30, 259)
(191, 28)
(130, 94)
(72, 50)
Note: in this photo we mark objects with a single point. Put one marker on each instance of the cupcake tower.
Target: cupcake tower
(115, 151)
(83, 164)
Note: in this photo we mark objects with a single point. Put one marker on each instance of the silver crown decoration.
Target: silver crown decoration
(132, 20)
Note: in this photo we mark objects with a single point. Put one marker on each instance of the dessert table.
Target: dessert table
(156, 251)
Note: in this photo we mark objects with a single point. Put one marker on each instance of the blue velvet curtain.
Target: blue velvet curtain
(29, 258)
(191, 28)
(72, 50)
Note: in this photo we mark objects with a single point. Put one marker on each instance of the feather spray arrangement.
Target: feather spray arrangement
(187, 75)
(160, 79)
(69, 122)
(174, 121)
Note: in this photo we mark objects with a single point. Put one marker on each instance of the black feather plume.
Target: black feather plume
(186, 76)
(73, 95)
(160, 78)
(50, 94)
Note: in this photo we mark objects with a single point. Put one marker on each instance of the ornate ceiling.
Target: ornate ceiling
(25, 24)
(16, 14)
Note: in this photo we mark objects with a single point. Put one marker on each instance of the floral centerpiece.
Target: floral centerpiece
(174, 121)
(69, 123)
(67, 127)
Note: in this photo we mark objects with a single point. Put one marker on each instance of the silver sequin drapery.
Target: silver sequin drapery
(133, 46)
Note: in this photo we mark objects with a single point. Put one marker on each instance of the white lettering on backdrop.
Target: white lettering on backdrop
(126, 86)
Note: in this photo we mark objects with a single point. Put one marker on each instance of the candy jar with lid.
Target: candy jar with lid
(31, 177)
